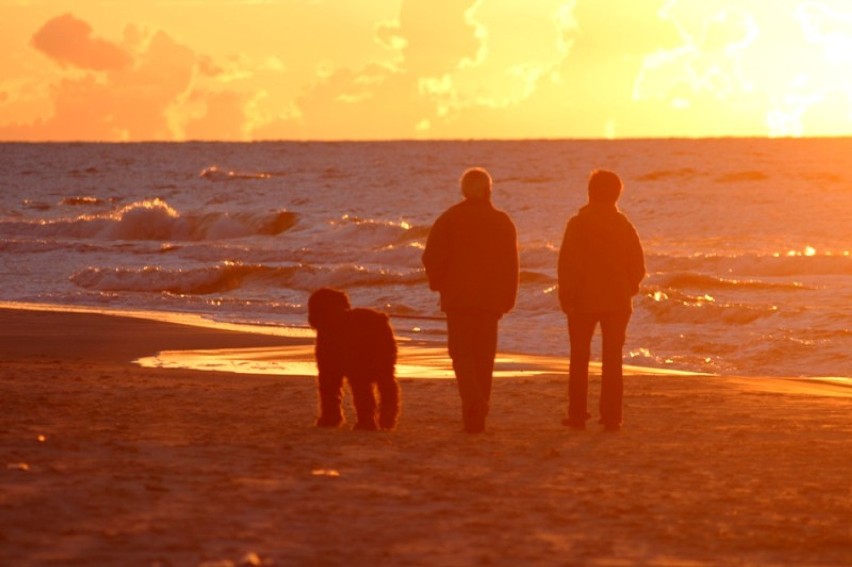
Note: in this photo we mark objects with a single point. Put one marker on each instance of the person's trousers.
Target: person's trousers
(472, 344)
(581, 328)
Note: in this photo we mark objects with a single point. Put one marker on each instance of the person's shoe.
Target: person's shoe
(366, 426)
(325, 421)
(573, 424)
(612, 427)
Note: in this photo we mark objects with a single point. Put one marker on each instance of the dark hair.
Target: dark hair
(604, 186)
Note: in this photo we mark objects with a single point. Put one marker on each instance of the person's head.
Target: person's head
(604, 187)
(476, 184)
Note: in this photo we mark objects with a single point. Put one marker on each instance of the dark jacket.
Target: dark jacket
(471, 258)
(601, 262)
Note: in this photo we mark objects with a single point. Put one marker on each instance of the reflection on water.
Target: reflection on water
(414, 362)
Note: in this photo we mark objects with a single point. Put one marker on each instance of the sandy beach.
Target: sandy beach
(105, 462)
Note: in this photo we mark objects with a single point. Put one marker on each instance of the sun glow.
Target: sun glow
(247, 70)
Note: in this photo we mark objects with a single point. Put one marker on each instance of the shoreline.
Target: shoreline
(110, 463)
(293, 345)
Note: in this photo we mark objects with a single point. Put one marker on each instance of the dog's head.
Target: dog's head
(326, 306)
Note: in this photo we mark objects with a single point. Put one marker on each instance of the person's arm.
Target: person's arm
(435, 254)
(568, 267)
(512, 271)
(636, 259)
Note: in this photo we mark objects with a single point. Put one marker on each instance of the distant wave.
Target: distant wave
(154, 219)
(41, 246)
(156, 279)
(214, 173)
(791, 264)
(377, 232)
(333, 173)
(530, 180)
(539, 257)
(35, 205)
(675, 307)
(80, 201)
(352, 275)
(228, 276)
(742, 176)
(702, 281)
(528, 276)
(83, 172)
(667, 174)
(687, 172)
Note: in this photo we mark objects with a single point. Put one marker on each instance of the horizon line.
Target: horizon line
(433, 140)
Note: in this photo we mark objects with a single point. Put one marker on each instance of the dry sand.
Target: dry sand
(108, 463)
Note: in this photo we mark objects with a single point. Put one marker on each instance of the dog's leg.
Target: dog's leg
(389, 404)
(365, 402)
(330, 385)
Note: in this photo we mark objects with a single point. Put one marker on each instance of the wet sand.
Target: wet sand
(105, 462)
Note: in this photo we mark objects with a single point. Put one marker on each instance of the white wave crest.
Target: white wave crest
(155, 219)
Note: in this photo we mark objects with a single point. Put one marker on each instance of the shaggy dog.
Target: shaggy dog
(357, 344)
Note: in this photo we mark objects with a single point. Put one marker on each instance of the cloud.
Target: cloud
(437, 35)
(831, 30)
(473, 68)
(519, 46)
(787, 65)
(391, 97)
(223, 117)
(446, 68)
(127, 104)
(584, 86)
(482, 53)
(437, 66)
(387, 35)
(137, 91)
(68, 40)
(708, 62)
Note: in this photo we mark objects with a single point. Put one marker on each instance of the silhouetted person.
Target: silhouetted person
(601, 264)
(357, 344)
(471, 258)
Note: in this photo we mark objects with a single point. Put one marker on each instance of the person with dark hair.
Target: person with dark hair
(471, 259)
(601, 264)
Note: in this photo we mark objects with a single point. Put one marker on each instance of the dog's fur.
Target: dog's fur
(356, 344)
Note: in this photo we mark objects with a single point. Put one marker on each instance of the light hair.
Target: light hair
(476, 183)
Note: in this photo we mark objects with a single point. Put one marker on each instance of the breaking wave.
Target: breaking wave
(787, 264)
(155, 219)
(377, 232)
(676, 307)
(228, 276)
(683, 280)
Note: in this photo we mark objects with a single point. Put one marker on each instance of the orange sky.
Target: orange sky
(389, 69)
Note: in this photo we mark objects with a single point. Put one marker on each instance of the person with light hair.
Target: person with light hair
(601, 264)
(471, 259)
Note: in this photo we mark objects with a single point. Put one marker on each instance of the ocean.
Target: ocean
(747, 241)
